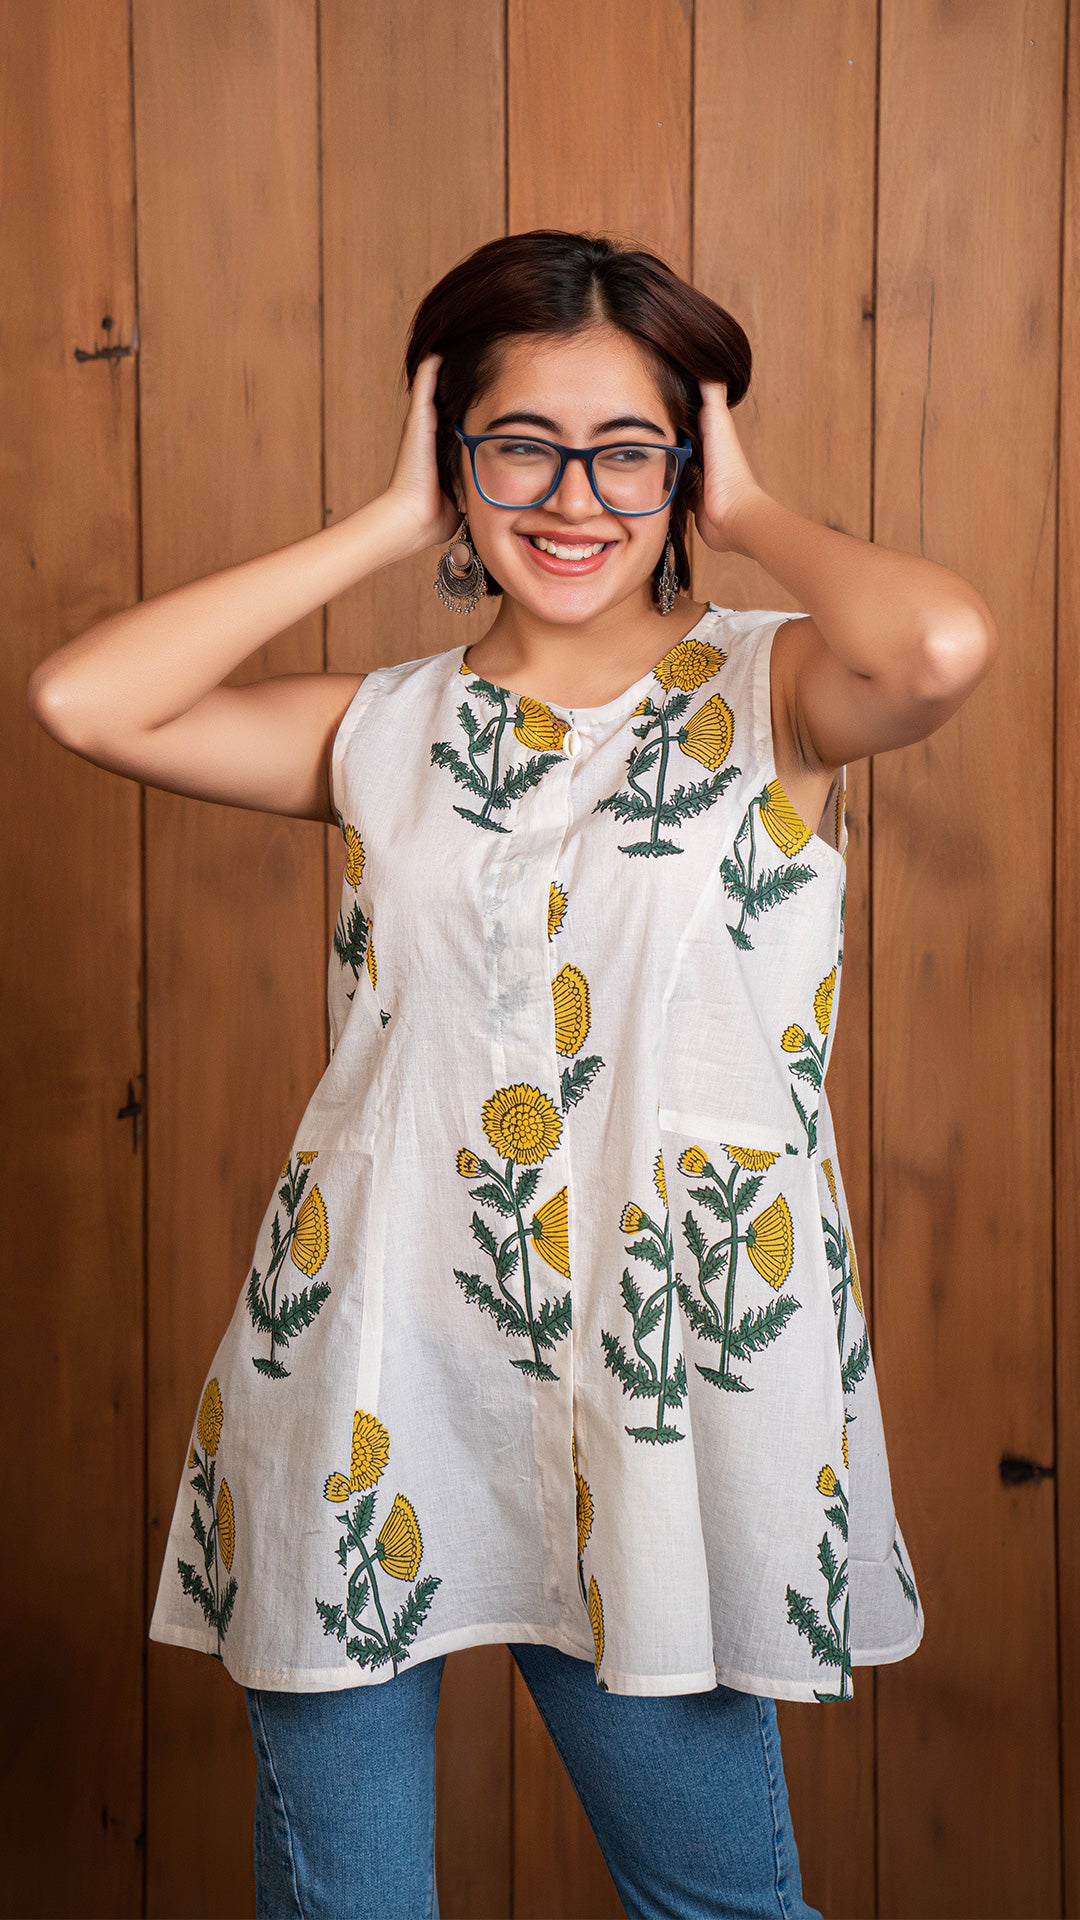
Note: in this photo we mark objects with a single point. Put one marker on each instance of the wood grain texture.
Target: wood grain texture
(1067, 987)
(784, 118)
(228, 204)
(73, 1411)
(967, 371)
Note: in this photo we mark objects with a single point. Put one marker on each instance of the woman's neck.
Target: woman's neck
(583, 664)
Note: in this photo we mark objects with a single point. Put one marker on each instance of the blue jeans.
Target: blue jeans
(684, 1792)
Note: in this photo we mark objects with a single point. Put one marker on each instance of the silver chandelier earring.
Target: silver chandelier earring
(460, 581)
(668, 584)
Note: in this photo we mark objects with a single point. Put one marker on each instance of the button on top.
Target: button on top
(572, 741)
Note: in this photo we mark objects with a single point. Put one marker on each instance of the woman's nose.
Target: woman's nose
(574, 497)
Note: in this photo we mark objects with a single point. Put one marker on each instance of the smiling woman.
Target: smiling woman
(552, 1334)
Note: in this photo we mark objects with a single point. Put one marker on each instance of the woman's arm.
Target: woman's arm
(893, 645)
(139, 692)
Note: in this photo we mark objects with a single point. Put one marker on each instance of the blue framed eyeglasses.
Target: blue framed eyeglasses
(628, 477)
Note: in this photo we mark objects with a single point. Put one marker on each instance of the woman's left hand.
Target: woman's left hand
(728, 481)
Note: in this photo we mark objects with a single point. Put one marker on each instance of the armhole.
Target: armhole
(831, 828)
(339, 750)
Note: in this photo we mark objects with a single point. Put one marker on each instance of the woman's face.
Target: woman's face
(581, 389)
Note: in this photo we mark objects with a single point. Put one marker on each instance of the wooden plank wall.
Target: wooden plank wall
(234, 210)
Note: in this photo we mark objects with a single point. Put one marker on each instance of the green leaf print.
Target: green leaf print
(840, 1253)
(530, 721)
(807, 1055)
(396, 1553)
(904, 1577)
(215, 1596)
(650, 1376)
(706, 737)
(522, 1123)
(759, 893)
(770, 1248)
(306, 1243)
(828, 1638)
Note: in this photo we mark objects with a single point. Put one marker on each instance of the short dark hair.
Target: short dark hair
(547, 281)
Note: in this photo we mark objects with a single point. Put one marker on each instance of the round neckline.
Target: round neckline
(608, 708)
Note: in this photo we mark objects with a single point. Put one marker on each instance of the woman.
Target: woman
(553, 1334)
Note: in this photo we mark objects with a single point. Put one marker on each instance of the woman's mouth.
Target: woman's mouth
(567, 556)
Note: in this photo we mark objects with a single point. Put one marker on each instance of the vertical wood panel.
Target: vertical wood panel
(1067, 988)
(227, 157)
(783, 237)
(598, 145)
(413, 179)
(968, 345)
(73, 1271)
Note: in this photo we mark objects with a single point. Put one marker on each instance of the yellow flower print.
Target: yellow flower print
(370, 1453)
(823, 1000)
(226, 1525)
(827, 1170)
(191, 1460)
(781, 822)
(596, 1618)
(556, 908)
(632, 1217)
(843, 1443)
(522, 1124)
(826, 1481)
(311, 1242)
(570, 992)
(537, 727)
(688, 664)
(551, 1233)
(642, 706)
(398, 1542)
(369, 957)
(693, 1160)
(584, 1512)
(337, 1488)
(658, 1177)
(855, 1287)
(211, 1416)
(573, 1448)
(771, 1249)
(793, 1039)
(468, 1165)
(354, 863)
(708, 734)
(751, 1159)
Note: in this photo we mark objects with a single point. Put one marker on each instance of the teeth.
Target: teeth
(566, 553)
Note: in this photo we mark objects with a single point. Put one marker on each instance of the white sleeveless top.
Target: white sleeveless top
(553, 1329)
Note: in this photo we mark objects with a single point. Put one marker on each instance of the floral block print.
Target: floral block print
(305, 1242)
(807, 1057)
(397, 1551)
(705, 737)
(841, 1257)
(354, 944)
(590, 1596)
(651, 1375)
(523, 1126)
(829, 1642)
(757, 891)
(769, 1240)
(481, 773)
(216, 1533)
(903, 1574)
(573, 1015)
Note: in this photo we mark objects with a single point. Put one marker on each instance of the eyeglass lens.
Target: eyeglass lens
(629, 479)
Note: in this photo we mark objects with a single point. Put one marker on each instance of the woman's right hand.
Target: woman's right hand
(414, 484)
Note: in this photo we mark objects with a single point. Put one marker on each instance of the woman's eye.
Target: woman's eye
(626, 456)
(523, 449)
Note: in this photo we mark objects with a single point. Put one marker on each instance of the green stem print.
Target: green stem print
(770, 1248)
(644, 1377)
(706, 737)
(808, 1056)
(523, 1125)
(353, 943)
(397, 1551)
(306, 1241)
(590, 1596)
(217, 1535)
(841, 1257)
(480, 773)
(756, 893)
(829, 1637)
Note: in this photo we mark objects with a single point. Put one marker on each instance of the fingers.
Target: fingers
(427, 373)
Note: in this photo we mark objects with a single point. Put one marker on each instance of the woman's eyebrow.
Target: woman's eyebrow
(551, 426)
